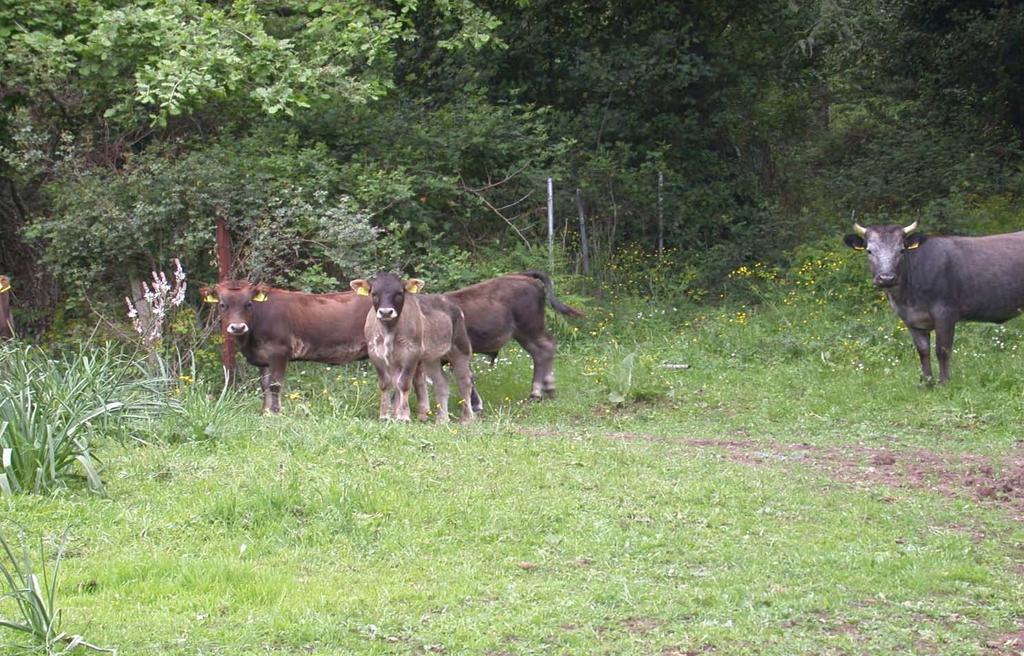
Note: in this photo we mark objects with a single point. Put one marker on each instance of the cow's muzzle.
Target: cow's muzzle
(387, 315)
(238, 328)
(885, 280)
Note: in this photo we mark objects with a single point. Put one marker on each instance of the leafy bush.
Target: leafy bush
(50, 407)
(290, 220)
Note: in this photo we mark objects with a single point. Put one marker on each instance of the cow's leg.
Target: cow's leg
(542, 350)
(944, 330)
(922, 340)
(436, 373)
(274, 381)
(476, 400)
(419, 383)
(403, 384)
(265, 386)
(464, 379)
(384, 385)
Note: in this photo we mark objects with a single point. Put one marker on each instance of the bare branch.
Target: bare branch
(494, 209)
(491, 185)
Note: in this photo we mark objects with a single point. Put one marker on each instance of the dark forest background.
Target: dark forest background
(339, 138)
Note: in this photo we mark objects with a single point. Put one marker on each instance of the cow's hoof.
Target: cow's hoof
(549, 394)
(535, 397)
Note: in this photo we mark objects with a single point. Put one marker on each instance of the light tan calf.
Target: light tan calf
(408, 338)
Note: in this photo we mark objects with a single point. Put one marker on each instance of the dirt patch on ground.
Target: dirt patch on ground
(641, 624)
(997, 482)
(1011, 644)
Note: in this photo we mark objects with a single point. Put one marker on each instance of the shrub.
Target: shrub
(50, 407)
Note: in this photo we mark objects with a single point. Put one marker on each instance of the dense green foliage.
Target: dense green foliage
(341, 138)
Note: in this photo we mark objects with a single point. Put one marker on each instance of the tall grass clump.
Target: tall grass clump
(198, 409)
(50, 407)
(34, 593)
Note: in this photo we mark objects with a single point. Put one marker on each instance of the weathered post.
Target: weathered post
(6, 323)
(584, 244)
(551, 225)
(661, 215)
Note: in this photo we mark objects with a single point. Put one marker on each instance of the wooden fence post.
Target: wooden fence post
(551, 225)
(584, 244)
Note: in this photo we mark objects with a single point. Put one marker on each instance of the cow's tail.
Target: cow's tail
(549, 292)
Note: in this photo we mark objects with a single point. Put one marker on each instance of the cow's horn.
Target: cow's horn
(861, 230)
(910, 228)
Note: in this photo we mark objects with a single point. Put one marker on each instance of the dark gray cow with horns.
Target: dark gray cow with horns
(934, 282)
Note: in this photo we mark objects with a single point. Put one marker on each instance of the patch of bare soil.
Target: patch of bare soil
(641, 624)
(994, 482)
(1011, 644)
(686, 651)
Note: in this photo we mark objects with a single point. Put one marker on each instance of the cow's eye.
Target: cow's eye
(868, 251)
(248, 304)
(223, 305)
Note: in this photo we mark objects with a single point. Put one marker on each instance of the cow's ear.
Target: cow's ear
(5, 284)
(414, 285)
(360, 286)
(261, 294)
(910, 242)
(856, 242)
(208, 294)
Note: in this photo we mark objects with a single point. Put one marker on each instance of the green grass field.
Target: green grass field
(793, 491)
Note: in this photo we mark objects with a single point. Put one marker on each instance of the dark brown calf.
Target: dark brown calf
(408, 337)
(6, 323)
(512, 307)
(272, 326)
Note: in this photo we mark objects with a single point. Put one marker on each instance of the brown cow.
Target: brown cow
(330, 326)
(6, 322)
(408, 336)
(272, 326)
(512, 307)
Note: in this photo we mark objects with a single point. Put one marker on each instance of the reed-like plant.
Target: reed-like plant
(51, 406)
(34, 592)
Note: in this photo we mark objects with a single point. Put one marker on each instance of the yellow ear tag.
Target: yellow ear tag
(210, 298)
(259, 297)
(858, 248)
(913, 246)
(5, 289)
(414, 286)
(362, 291)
